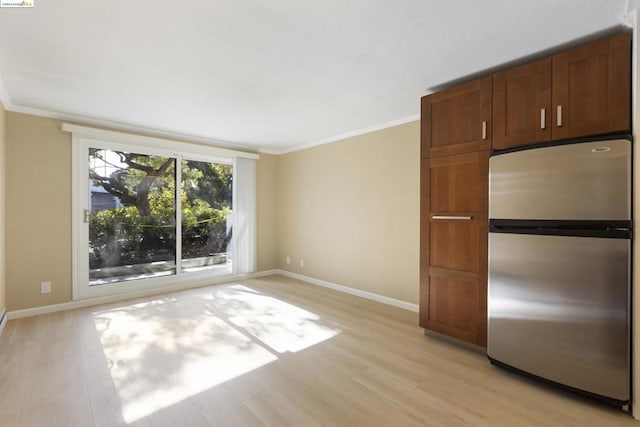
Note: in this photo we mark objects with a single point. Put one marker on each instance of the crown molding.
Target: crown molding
(154, 141)
(362, 131)
(118, 126)
(269, 151)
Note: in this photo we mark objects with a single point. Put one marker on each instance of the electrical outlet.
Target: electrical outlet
(45, 287)
(288, 260)
(301, 263)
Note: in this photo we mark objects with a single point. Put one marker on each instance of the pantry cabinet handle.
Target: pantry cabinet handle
(559, 114)
(543, 121)
(455, 217)
(484, 129)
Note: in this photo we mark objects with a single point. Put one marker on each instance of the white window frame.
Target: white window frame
(84, 138)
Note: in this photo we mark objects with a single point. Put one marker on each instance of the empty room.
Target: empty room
(360, 213)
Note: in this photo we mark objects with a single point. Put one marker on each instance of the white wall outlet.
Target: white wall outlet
(288, 260)
(45, 287)
(301, 263)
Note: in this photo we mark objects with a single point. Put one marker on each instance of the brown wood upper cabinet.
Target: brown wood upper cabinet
(522, 104)
(457, 120)
(584, 91)
(591, 88)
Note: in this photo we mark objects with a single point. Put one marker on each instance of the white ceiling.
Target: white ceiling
(268, 75)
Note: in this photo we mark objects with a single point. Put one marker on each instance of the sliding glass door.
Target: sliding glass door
(206, 200)
(131, 216)
(150, 217)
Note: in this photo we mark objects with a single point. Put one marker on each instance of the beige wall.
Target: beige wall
(3, 300)
(266, 211)
(39, 211)
(350, 209)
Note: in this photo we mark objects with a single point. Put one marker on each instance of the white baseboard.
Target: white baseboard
(266, 273)
(4, 318)
(46, 309)
(352, 291)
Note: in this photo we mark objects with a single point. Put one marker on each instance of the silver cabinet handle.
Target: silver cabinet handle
(559, 114)
(455, 217)
(484, 129)
(543, 114)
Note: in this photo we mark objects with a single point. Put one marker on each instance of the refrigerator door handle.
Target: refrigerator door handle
(578, 231)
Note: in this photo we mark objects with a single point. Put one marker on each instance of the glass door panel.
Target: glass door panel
(131, 215)
(206, 201)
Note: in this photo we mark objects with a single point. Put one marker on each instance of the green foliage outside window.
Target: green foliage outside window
(142, 230)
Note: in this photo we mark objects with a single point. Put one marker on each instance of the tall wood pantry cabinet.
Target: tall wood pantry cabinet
(584, 91)
(456, 137)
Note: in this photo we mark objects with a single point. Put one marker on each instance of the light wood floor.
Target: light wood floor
(271, 351)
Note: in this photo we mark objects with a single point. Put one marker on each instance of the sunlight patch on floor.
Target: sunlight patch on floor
(280, 325)
(161, 352)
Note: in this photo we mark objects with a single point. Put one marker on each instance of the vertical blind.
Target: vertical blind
(244, 215)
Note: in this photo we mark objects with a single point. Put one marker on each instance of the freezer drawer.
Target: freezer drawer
(559, 309)
(582, 181)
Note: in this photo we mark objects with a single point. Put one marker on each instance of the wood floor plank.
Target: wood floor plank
(221, 407)
(271, 351)
(275, 409)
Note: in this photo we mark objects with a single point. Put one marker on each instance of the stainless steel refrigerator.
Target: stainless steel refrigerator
(559, 265)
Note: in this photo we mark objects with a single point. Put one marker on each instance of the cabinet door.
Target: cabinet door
(522, 104)
(591, 89)
(457, 120)
(453, 273)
